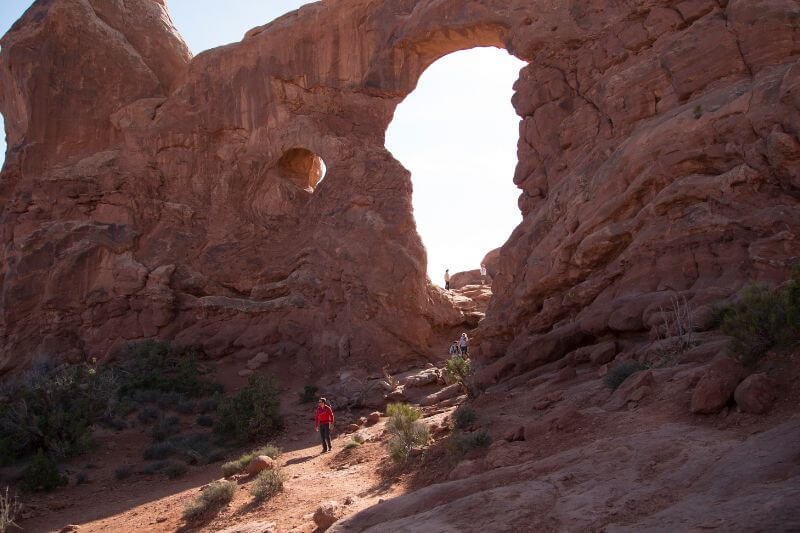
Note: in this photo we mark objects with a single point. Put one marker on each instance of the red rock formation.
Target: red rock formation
(147, 194)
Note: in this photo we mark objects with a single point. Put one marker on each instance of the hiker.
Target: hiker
(463, 343)
(483, 273)
(447, 279)
(454, 350)
(323, 422)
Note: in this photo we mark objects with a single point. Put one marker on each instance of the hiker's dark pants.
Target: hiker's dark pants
(325, 434)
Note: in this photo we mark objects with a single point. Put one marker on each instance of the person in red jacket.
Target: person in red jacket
(323, 422)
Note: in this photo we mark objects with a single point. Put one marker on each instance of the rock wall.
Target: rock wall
(147, 193)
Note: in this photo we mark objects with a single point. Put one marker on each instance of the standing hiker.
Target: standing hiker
(454, 348)
(483, 273)
(323, 422)
(447, 279)
(463, 343)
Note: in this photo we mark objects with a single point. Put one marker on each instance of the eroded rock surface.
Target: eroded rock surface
(146, 193)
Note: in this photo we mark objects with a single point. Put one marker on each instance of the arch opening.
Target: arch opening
(457, 134)
(302, 167)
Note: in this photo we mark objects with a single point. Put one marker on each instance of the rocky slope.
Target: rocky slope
(147, 193)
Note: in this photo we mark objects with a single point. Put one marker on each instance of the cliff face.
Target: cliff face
(146, 193)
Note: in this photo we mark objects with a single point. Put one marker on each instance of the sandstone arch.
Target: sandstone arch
(627, 196)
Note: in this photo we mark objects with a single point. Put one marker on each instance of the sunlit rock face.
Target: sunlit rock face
(150, 194)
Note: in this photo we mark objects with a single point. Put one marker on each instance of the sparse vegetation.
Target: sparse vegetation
(123, 472)
(81, 478)
(9, 507)
(165, 427)
(697, 112)
(407, 431)
(618, 373)
(463, 417)
(359, 438)
(212, 499)
(148, 414)
(308, 394)
(762, 318)
(267, 484)
(459, 369)
(675, 334)
(175, 469)
(208, 405)
(251, 413)
(352, 443)
(459, 444)
(42, 474)
(186, 407)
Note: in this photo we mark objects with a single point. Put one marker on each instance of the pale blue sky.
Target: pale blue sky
(456, 133)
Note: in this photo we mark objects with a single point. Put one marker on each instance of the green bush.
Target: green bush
(618, 373)
(308, 394)
(267, 484)
(460, 443)
(407, 431)
(53, 409)
(763, 318)
(352, 443)
(463, 417)
(212, 499)
(251, 413)
(459, 369)
(158, 450)
(156, 366)
(42, 474)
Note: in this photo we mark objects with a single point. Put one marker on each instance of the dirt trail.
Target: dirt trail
(360, 475)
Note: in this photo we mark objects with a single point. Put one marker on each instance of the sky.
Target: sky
(456, 133)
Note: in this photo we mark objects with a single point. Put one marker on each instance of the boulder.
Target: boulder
(259, 464)
(756, 394)
(326, 514)
(603, 353)
(351, 428)
(428, 376)
(245, 372)
(716, 386)
(373, 418)
(451, 391)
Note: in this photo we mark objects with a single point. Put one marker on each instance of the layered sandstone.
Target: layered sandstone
(146, 193)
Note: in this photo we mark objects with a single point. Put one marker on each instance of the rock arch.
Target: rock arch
(627, 195)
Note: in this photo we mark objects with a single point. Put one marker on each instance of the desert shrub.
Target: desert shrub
(186, 407)
(158, 450)
(123, 472)
(81, 478)
(194, 448)
(268, 484)
(253, 412)
(618, 373)
(165, 427)
(459, 444)
(144, 396)
(156, 366)
(205, 421)
(148, 414)
(155, 467)
(126, 407)
(212, 499)
(459, 369)
(175, 469)
(9, 507)
(169, 399)
(208, 405)
(463, 417)
(42, 474)
(53, 409)
(352, 443)
(762, 318)
(407, 431)
(308, 394)
(359, 438)
(112, 422)
(231, 468)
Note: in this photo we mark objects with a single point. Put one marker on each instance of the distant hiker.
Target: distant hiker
(323, 422)
(454, 350)
(483, 273)
(447, 279)
(463, 344)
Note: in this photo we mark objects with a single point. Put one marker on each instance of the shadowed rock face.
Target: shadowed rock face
(146, 193)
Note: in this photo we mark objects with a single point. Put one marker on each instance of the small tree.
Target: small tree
(406, 429)
(253, 412)
(459, 369)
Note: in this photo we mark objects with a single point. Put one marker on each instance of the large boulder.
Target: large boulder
(717, 385)
(756, 394)
(259, 464)
(326, 514)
